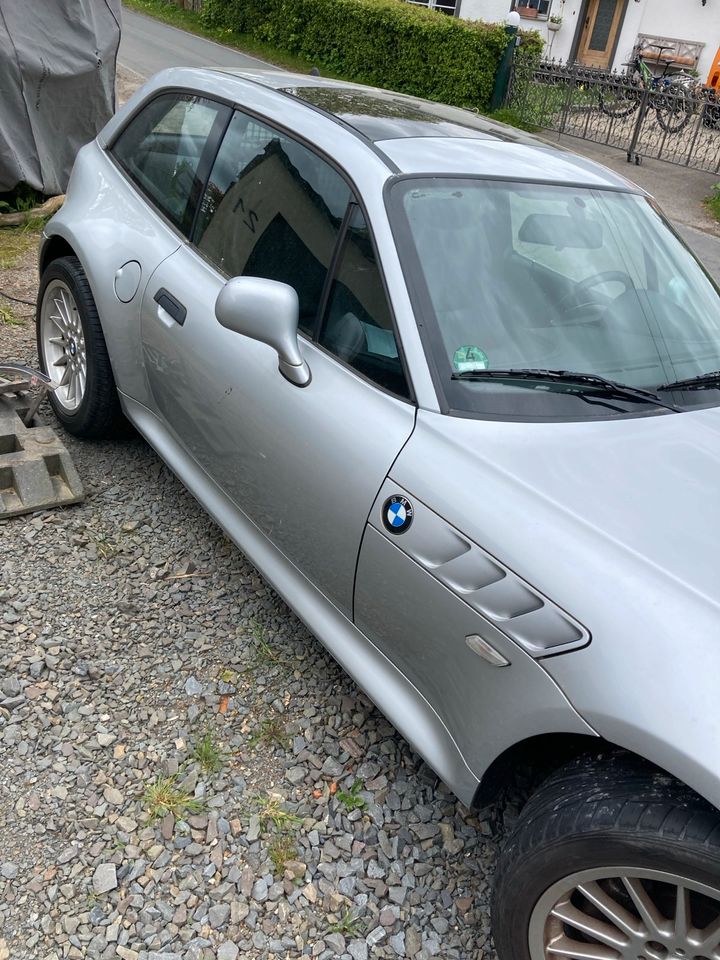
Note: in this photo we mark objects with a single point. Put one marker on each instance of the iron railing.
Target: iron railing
(677, 121)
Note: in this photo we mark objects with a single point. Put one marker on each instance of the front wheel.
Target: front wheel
(674, 110)
(72, 350)
(612, 860)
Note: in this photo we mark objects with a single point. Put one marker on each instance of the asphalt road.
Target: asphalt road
(148, 46)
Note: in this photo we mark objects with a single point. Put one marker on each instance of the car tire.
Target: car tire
(590, 825)
(71, 346)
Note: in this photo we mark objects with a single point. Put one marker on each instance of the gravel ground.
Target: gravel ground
(184, 771)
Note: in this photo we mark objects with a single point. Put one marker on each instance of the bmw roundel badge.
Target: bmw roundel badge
(397, 514)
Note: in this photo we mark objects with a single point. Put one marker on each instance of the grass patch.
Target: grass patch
(281, 849)
(264, 653)
(15, 242)
(8, 318)
(208, 754)
(513, 119)
(271, 812)
(190, 21)
(349, 925)
(351, 798)
(271, 733)
(712, 203)
(165, 796)
(104, 548)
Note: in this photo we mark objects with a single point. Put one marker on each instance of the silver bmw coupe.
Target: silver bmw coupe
(455, 393)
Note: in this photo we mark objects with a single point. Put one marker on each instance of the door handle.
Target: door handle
(163, 298)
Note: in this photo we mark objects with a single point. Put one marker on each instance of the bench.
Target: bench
(683, 54)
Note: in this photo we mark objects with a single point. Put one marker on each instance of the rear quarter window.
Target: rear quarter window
(163, 148)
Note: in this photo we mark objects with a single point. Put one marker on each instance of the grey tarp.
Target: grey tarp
(57, 85)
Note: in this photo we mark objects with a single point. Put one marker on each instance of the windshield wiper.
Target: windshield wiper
(605, 386)
(705, 381)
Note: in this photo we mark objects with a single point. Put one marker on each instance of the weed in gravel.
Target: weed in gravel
(264, 653)
(281, 849)
(104, 548)
(8, 318)
(349, 925)
(271, 811)
(208, 754)
(351, 798)
(270, 732)
(165, 796)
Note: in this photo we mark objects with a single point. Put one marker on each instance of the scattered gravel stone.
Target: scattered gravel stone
(228, 951)
(218, 915)
(104, 878)
(358, 950)
(144, 662)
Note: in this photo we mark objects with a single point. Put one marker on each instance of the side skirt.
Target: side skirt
(390, 691)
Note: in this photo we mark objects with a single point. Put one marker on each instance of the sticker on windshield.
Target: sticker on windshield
(469, 359)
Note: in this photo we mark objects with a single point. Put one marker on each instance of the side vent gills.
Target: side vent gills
(481, 581)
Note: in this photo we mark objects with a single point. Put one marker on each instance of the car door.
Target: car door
(165, 150)
(305, 464)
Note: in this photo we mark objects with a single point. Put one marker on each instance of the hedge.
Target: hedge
(386, 43)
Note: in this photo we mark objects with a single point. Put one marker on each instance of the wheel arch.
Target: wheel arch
(53, 248)
(522, 768)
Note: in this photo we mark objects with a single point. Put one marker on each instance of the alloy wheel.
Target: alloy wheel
(621, 913)
(63, 344)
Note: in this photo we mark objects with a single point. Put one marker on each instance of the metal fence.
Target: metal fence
(673, 119)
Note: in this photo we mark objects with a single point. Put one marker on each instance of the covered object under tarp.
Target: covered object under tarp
(57, 85)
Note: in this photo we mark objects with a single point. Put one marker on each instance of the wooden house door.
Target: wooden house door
(602, 23)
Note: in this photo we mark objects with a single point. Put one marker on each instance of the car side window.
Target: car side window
(272, 209)
(162, 147)
(358, 326)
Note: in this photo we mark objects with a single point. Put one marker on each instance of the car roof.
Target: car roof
(422, 136)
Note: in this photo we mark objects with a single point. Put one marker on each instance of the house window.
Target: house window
(532, 9)
(444, 6)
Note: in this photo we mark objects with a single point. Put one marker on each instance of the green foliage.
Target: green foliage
(351, 798)
(271, 733)
(349, 925)
(514, 119)
(164, 796)
(20, 200)
(386, 43)
(713, 201)
(281, 849)
(208, 754)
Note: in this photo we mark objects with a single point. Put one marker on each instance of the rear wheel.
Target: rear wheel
(611, 860)
(674, 109)
(72, 350)
(618, 101)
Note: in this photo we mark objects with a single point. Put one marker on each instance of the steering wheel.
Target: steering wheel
(566, 308)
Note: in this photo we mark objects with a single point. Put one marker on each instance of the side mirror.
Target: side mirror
(267, 311)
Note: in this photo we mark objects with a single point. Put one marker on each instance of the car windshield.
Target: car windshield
(510, 276)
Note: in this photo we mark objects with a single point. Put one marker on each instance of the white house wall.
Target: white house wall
(680, 19)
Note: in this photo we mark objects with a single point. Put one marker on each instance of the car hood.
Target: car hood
(562, 502)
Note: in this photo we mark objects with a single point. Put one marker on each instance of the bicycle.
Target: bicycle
(669, 96)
